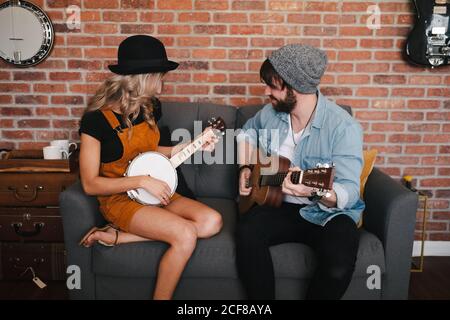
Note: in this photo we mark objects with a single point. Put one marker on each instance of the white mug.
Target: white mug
(54, 152)
(64, 145)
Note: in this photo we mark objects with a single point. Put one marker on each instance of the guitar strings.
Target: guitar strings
(278, 178)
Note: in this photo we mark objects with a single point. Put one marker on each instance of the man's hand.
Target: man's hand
(243, 180)
(297, 190)
(300, 190)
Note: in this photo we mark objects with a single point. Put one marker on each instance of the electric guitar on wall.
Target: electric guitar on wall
(428, 43)
(266, 180)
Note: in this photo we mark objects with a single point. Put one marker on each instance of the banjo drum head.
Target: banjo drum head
(157, 166)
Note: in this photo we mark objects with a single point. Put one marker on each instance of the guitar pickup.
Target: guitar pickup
(440, 10)
(438, 30)
(438, 50)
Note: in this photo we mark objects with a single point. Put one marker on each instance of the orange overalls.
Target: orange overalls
(119, 208)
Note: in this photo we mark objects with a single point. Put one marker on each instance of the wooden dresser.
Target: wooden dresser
(31, 230)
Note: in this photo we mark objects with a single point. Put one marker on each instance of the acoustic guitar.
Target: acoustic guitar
(160, 167)
(428, 43)
(268, 175)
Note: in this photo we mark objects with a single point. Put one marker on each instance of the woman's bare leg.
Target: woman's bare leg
(179, 224)
(181, 234)
(207, 221)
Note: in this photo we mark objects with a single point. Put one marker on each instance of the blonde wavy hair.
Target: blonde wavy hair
(129, 93)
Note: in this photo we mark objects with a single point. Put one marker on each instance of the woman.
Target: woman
(120, 123)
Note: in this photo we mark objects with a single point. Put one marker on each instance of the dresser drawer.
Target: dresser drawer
(33, 189)
(31, 224)
(47, 260)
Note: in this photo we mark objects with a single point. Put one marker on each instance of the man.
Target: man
(311, 129)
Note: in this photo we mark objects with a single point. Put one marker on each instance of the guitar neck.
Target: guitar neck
(187, 151)
(276, 180)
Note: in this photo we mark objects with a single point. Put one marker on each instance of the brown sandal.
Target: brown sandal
(94, 229)
(115, 240)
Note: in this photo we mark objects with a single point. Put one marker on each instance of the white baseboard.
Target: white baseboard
(432, 248)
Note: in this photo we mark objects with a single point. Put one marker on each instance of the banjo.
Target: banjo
(160, 167)
(26, 33)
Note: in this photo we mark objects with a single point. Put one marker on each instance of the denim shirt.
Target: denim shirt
(332, 136)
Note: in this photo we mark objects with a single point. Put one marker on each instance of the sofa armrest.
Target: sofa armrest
(391, 215)
(79, 213)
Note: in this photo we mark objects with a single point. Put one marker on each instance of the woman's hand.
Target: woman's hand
(297, 190)
(244, 177)
(158, 188)
(210, 140)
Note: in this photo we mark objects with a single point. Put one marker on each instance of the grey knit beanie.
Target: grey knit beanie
(301, 66)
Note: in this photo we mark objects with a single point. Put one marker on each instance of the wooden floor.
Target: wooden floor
(27, 290)
(432, 283)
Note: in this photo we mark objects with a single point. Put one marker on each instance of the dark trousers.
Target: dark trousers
(335, 246)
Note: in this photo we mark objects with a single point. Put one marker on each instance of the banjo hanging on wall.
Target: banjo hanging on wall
(26, 33)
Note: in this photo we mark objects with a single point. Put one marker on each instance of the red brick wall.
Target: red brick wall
(405, 110)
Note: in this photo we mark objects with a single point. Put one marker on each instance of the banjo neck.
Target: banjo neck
(189, 150)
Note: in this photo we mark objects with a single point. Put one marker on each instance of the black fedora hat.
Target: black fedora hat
(142, 54)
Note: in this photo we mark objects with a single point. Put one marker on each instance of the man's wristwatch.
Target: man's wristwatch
(315, 197)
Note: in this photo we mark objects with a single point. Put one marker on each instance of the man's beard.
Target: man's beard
(286, 105)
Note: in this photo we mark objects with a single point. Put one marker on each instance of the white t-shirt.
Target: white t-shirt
(287, 151)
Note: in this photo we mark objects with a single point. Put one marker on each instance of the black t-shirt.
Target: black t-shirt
(95, 124)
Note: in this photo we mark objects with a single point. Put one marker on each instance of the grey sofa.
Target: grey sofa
(128, 271)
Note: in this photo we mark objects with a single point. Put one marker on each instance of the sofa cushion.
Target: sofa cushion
(296, 260)
(215, 257)
(215, 176)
